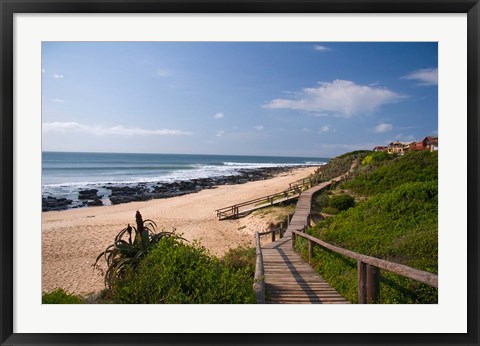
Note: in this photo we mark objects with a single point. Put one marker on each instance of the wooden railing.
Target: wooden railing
(305, 182)
(368, 268)
(235, 210)
(259, 278)
(273, 232)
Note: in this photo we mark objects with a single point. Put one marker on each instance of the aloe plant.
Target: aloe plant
(127, 253)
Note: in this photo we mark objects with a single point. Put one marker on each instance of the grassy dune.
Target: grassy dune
(397, 220)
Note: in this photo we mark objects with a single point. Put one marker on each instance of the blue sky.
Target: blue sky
(315, 99)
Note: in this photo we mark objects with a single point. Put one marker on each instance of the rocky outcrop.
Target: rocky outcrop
(144, 191)
(50, 203)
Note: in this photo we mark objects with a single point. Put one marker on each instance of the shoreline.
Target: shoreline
(71, 239)
(105, 194)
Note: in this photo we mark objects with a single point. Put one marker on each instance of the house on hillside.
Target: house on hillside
(398, 148)
(380, 148)
(416, 146)
(430, 143)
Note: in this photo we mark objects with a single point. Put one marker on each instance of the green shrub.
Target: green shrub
(59, 296)
(330, 210)
(400, 226)
(123, 254)
(367, 160)
(377, 156)
(339, 165)
(342, 202)
(241, 257)
(321, 201)
(412, 167)
(175, 272)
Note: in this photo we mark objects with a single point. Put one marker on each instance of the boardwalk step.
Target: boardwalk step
(289, 280)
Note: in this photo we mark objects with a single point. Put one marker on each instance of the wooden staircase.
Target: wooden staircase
(289, 280)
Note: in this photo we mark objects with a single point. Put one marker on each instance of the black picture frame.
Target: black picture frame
(9, 7)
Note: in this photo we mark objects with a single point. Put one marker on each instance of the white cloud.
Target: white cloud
(321, 48)
(218, 115)
(43, 70)
(57, 76)
(58, 101)
(326, 128)
(220, 133)
(163, 73)
(382, 128)
(426, 76)
(306, 129)
(340, 97)
(259, 127)
(64, 127)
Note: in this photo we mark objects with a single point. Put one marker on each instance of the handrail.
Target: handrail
(396, 268)
(273, 232)
(295, 189)
(309, 181)
(368, 267)
(368, 274)
(254, 200)
(259, 278)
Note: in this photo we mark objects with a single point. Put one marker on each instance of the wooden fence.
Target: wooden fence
(236, 210)
(368, 269)
(259, 278)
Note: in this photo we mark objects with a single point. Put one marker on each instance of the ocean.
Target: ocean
(64, 173)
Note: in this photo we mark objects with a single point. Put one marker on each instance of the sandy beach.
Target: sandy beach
(71, 239)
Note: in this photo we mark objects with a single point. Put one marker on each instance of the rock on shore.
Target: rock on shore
(146, 191)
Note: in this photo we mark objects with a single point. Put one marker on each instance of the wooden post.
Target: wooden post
(362, 282)
(273, 236)
(280, 232)
(373, 284)
(293, 241)
(310, 252)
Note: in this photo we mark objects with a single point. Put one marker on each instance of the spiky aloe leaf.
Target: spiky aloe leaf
(123, 254)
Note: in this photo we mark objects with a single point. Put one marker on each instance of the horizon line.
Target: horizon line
(113, 152)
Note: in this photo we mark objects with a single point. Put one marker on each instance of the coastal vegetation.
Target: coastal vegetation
(383, 175)
(395, 218)
(59, 296)
(164, 268)
(388, 208)
(176, 272)
(339, 165)
(155, 268)
(127, 254)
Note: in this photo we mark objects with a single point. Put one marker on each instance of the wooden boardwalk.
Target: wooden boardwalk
(282, 277)
(301, 217)
(288, 279)
(244, 208)
(240, 212)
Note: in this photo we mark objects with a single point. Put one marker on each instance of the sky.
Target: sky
(307, 99)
